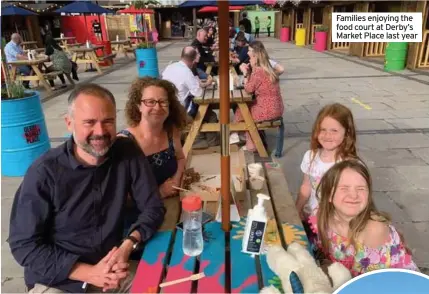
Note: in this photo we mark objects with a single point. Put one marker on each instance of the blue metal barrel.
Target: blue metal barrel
(24, 136)
(147, 62)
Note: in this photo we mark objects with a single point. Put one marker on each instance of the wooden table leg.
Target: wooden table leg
(41, 78)
(93, 58)
(195, 128)
(251, 127)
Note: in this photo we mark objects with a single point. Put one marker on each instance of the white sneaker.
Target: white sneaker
(233, 138)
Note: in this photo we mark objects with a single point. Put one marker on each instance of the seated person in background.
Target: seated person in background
(206, 54)
(261, 80)
(278, 68)
(249, 37)
(155, 120)
(241, 49)
(60, 61)
(67, 217)
(188, 85)
(14, 52)
(211, 36)
(350, 229)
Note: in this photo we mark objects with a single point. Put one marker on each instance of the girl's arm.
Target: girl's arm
(180, 157)
(303, 195)
(254, 81)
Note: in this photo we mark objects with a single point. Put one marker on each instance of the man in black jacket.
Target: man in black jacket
(246, 23)
(206, 55)
(66, 224)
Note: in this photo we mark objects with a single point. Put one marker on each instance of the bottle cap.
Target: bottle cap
(191, 203)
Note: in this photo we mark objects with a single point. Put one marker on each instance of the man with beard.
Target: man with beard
(68, 213)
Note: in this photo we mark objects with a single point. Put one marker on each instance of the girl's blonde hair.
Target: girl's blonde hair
(263, 60)
(344, 116)
(326, 191)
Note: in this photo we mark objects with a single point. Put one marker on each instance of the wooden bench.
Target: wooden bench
(53, 74)
(107, 58)
(226, 268)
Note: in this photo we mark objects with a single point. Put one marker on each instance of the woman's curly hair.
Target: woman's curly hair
(177, 117)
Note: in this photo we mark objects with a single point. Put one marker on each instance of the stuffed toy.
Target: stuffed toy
(297, 260)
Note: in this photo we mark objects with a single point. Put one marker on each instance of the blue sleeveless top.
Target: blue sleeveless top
(163, 163)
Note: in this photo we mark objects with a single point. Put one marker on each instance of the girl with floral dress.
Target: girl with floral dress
(333, 139)
(349, 228)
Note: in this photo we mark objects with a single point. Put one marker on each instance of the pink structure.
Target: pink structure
(284, 35)
(320, 44)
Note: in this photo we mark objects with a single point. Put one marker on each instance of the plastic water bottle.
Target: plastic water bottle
(193, 243)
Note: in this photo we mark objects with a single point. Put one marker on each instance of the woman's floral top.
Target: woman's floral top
(363, 259)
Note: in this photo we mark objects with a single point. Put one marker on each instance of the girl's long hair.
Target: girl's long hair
(326, 191)
(344, 116)
(263, 60)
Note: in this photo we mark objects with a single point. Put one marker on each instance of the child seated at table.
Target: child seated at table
(350, 229)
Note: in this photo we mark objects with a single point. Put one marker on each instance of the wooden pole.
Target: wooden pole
(225, 172)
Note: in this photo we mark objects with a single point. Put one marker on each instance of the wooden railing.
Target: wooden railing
(340, 45)
(313, 32)
(374, 49)
(423, 60)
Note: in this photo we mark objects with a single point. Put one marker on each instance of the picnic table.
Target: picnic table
(65, 43)
(35, 65)
(120, 46)
(28, 45)
(226, 268)
(84, 55)
(211, 98)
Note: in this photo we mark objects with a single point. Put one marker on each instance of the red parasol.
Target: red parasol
(215, 9)
(133, 10)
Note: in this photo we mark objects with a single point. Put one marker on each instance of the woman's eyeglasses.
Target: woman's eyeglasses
(153, 102)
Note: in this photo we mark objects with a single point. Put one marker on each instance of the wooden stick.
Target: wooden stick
(181, 189)
(190, 278)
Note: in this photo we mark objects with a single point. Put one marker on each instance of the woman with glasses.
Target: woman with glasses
(155, 119)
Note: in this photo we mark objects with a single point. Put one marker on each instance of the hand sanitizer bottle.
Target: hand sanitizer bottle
(256, 224)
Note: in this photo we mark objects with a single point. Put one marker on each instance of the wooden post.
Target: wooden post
(356, 49)
(327, 21)
(292, 24)
(415, 48)
(307, 25)
(225, 172)
(194, 17)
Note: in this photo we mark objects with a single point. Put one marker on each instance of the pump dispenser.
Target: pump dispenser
(256, 224)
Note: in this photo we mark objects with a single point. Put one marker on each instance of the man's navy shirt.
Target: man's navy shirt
(65, 212)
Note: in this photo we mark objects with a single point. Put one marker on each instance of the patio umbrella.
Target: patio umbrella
(193, 3)
(209, 9)
(10, 10)
(84, 7)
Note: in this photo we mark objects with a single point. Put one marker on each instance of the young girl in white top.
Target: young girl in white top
(333, 139)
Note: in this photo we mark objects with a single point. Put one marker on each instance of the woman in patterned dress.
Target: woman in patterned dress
(260, 80)
(60, 61)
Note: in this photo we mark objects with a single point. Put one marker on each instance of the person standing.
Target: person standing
(256, 27)
(269, 26)
(246, 23)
